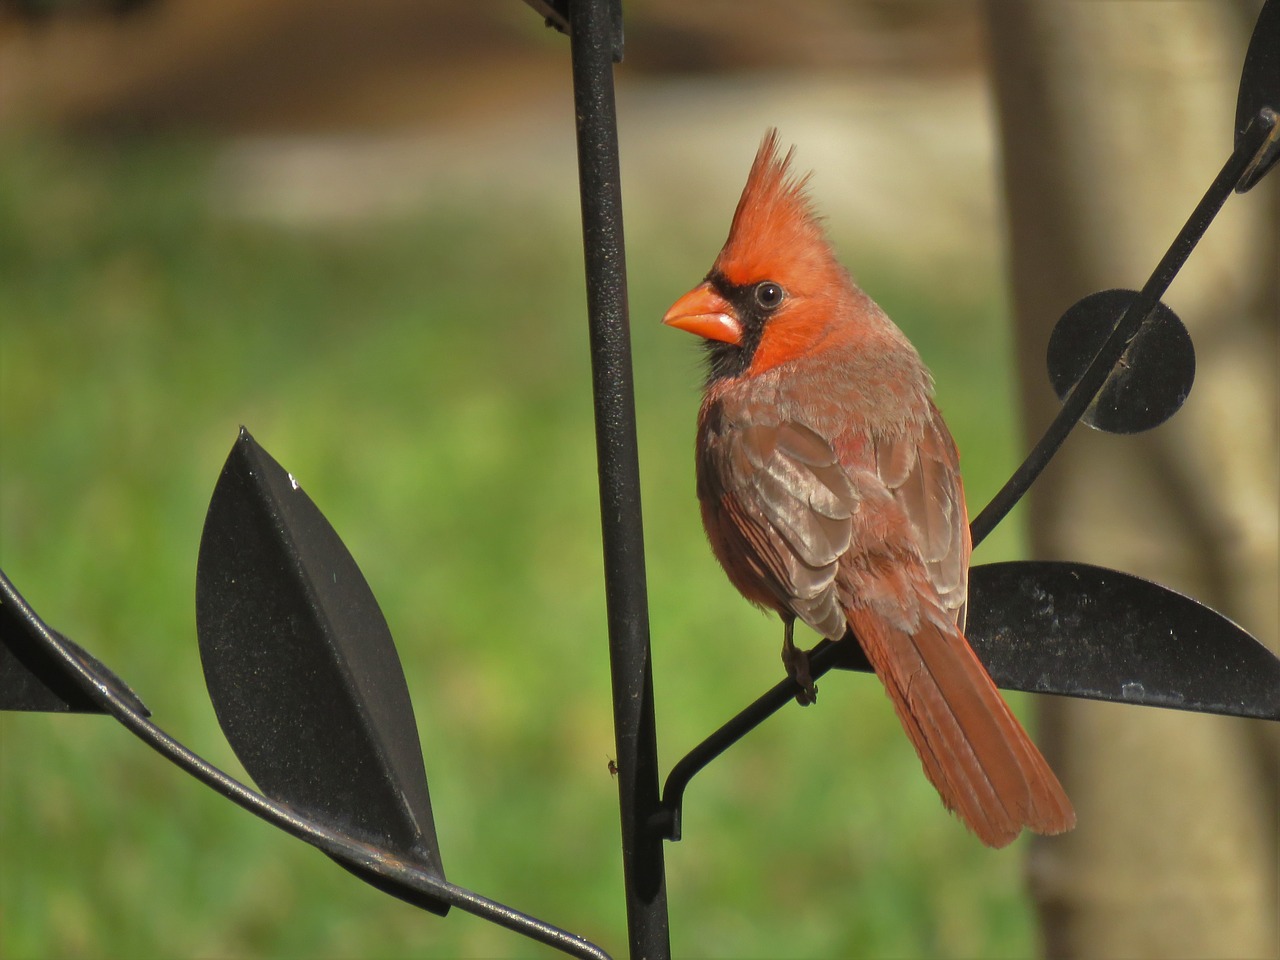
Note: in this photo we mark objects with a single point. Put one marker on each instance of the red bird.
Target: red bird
(830, 491)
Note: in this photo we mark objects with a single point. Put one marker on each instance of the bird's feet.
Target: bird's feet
(796, 662)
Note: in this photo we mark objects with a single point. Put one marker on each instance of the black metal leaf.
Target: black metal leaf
(1150, 382)
(301, 668)
(1085, 631)
(33, 678)
(1260, 90)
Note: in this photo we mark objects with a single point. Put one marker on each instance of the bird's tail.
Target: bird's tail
(973, 749)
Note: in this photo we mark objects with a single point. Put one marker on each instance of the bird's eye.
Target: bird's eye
(769, 294)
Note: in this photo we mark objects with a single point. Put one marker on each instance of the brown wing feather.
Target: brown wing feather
(923, 474)
(777, 506)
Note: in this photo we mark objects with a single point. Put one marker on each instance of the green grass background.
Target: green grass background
(427, 381)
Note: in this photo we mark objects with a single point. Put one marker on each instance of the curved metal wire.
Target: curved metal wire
(1248, 150)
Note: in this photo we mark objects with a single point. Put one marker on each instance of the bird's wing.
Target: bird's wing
(779, 494)
(922, 473)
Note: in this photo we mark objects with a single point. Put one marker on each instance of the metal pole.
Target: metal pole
(591, 36)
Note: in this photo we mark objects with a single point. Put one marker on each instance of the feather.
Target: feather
(972, 748)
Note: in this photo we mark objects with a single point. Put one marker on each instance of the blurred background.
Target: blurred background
(354, 229)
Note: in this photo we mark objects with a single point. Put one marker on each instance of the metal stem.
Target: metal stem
(592, 44)
(1077, 402)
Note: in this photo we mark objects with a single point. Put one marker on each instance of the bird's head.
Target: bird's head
(775, 289)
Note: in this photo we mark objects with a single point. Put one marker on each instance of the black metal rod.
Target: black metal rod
(1109, 354)
(822, 658)
(592, 44)
(104, 691)
(667, 820)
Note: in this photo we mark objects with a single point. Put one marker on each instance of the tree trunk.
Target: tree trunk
(1115, 118)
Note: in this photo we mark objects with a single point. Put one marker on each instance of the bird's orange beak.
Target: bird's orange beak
(706, 313)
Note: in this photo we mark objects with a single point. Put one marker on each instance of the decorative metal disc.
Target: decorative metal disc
(1153, 377)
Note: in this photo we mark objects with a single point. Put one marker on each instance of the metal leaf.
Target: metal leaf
(33, 678)
(1085, 631)
(1082, 631)
(1260, 90)
(301, 668)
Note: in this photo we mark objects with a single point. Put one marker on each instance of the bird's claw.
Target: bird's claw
(796, 662)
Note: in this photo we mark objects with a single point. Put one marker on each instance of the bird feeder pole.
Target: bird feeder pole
(595, 40)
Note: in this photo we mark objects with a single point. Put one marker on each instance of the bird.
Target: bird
(830, 492)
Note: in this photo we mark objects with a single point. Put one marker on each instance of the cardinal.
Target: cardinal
(830, 491)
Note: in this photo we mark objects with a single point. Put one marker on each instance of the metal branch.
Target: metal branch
(105, 690)
(1247, 151)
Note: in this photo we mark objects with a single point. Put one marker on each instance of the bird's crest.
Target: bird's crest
(775, 233)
